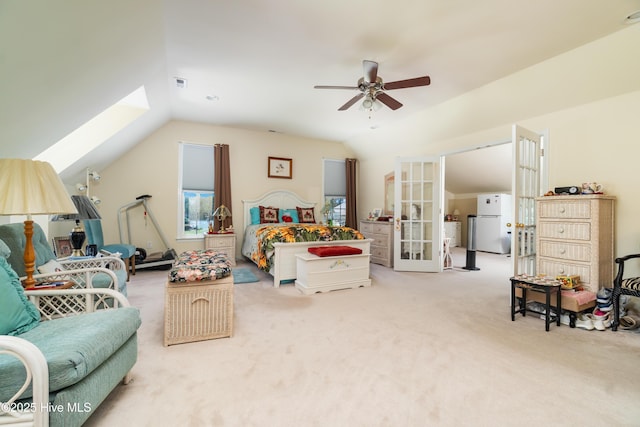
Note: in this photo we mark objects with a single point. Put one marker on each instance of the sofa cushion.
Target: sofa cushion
(102, 280)
(73, 347)
(17, 313)
(13, 235)
(5, 251)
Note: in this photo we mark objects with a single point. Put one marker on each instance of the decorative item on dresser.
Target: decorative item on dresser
(575, 237)
(382, 246)
(222, 242)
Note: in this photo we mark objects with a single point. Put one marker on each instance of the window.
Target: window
(196, 190)
(334, 210)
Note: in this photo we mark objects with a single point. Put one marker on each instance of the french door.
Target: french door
(527, 164)
(417, 212)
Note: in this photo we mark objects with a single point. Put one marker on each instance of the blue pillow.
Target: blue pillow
(255, 215)
(17, 313)
(293, 213)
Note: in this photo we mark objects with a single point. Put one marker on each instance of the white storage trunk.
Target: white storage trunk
(321, 274)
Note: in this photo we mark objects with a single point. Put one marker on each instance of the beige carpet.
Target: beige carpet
(414, 349)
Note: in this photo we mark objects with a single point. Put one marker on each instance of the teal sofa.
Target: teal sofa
(103, 272)
(75, 353)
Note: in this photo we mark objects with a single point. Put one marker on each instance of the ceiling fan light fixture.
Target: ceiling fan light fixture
(370, 104)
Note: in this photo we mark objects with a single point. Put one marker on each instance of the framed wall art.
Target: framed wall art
(62, 246)
(280, 167)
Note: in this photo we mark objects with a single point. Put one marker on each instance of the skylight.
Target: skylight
(96, 131)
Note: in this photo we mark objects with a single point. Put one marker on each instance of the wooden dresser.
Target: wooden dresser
(382, 246)
(575, 237)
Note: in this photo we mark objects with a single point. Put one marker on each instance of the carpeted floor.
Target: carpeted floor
(414, 349)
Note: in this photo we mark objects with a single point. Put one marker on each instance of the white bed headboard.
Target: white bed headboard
(282, 199)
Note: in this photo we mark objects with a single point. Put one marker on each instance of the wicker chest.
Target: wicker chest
(575, 237)
(198, 311)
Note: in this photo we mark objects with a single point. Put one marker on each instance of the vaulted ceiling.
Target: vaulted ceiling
(253, 64)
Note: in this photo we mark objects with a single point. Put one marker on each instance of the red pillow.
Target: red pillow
(305, 215)
(268, 215)
(334, 250)
(287, 218)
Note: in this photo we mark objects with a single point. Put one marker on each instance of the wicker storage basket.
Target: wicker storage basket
(198, 311)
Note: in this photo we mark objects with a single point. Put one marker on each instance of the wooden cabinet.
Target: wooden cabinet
(222, 242)
(382, 246)
(575, 237)
(453, 230)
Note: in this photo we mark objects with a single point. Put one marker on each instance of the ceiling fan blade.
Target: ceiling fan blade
(370, 71)
(388, 101)
(335, 87)
(351, 102)
(401, 84)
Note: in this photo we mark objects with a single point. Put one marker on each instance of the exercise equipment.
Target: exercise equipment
(158, 260)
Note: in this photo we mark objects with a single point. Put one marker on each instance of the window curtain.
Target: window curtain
(352, 215)
(222, 182)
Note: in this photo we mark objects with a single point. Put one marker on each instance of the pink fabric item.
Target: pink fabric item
(582, 297)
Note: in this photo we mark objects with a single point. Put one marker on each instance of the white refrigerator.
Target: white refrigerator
(492, 233)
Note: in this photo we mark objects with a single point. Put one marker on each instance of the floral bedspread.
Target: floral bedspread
(266, 235)
(192, 266)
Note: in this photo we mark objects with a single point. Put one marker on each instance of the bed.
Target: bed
(270, 246)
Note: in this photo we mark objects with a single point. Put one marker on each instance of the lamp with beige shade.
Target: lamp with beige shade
(31, 187)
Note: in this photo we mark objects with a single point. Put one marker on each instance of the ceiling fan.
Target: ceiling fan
(372, 88)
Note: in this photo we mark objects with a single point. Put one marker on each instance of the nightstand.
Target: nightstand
(222, 242)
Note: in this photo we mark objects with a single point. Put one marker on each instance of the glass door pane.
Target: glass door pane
(417, 206)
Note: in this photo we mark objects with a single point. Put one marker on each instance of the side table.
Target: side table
(222, 242)
(535, 284)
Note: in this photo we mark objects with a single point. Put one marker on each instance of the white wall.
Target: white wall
(152, 168)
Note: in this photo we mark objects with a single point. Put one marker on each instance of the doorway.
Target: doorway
(469, 172)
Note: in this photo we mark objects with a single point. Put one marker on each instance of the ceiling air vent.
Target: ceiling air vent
(180, 82)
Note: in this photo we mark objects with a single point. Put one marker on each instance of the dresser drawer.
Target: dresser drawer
(366, 227)
(554, 268)
(381, 228)
(578, 209)
(378, 252)
(380, 240)
(565, 230)
(221, 242)
(569, 251)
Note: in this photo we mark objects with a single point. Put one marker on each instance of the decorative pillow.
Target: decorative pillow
(255, 215)
(52, 266)
(17, 313)
(292, 213)
(268, 215)
(323, 251)
(305, 215)
(5, 251)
